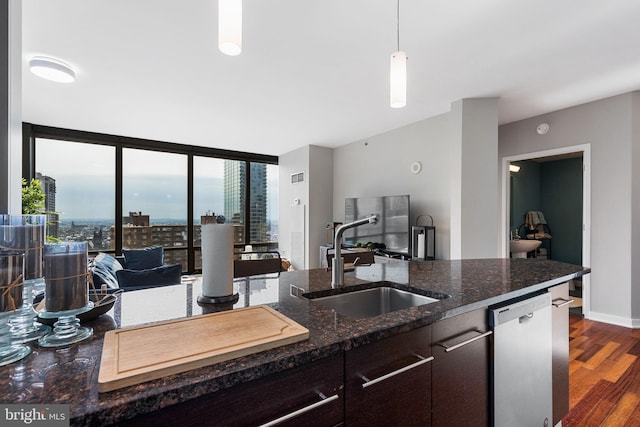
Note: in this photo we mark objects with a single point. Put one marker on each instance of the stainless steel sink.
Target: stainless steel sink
(371, 302)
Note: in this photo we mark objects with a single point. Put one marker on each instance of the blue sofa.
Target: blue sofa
(135, 269)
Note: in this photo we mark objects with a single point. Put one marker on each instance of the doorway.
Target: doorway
(573, 229)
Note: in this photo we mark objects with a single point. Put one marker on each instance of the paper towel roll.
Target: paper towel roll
(421, 246)
(217, 260)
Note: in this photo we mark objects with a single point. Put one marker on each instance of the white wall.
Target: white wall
(314, 195)
(458, 184)
(290, 163)
(607, 126)
(381, 166)
(475, 205)
(321, 200)
(635, 206)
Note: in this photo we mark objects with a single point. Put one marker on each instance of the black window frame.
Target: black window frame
(32, 131)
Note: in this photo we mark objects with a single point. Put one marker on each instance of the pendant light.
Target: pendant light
(398, 72)
(230, 26)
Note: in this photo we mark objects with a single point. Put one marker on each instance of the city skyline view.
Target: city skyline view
(79, 181)
(159, 199)
(153, 182)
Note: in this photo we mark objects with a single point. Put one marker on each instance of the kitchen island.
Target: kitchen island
(69, 375)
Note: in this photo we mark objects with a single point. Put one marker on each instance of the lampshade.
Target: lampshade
(398, 79)
(52, 69)
(230, 26)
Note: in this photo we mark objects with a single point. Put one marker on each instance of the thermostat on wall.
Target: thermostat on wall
(416, 167)
(542, 128)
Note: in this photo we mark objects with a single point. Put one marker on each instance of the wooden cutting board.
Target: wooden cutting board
(143, 353)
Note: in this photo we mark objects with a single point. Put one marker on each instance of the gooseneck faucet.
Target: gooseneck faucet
(337, 270)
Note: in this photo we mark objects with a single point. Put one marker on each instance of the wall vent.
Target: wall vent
(297, 177)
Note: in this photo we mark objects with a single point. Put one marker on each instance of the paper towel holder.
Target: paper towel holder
(227, 299)
(423, 240)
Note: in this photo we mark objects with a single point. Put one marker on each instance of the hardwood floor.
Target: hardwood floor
(604, 374)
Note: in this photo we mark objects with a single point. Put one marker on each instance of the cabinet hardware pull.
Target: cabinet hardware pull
(564, 302)
(447, 348)
(324, 400)
(422, 361)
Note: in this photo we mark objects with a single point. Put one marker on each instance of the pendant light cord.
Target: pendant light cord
(398, 24)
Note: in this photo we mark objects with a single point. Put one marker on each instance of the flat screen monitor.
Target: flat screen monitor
(392, 229)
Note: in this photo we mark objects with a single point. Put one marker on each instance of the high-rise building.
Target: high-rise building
(234, 200)
(258, 204)
(234, 195)
(48, 185)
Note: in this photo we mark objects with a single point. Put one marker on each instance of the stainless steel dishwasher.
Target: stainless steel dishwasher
(522, 357)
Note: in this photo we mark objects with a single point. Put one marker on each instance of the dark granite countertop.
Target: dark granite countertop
(70, 375)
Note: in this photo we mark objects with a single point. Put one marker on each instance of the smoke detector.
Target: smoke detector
(542, 128)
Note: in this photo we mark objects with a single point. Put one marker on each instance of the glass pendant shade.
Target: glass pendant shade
(398, 79)
(230, 27)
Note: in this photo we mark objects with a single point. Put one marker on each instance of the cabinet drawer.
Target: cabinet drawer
(310, 395)
(389, 382)
(460, 370)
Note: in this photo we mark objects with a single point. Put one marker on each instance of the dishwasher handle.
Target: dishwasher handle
(525, 318)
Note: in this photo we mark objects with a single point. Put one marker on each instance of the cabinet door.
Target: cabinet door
(389, 382)
(460, 370)
(560, 362)
(310, 395)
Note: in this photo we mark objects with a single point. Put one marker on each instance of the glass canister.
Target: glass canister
(11, 296)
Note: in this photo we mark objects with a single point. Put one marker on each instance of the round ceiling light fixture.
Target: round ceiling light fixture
(52, 69)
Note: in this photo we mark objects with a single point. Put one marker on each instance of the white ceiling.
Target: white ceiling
(317, 71)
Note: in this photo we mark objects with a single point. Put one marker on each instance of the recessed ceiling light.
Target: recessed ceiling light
(52, 69)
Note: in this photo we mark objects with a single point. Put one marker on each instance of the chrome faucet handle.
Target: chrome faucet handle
(337, 272)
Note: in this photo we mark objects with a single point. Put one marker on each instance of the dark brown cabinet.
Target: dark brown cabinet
(434, 375)
(560, 345)
(389, 382)
(310, 395)
(460, 370)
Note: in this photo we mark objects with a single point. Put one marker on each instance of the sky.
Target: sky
(154, 183)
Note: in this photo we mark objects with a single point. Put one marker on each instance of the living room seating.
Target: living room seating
(136, 269)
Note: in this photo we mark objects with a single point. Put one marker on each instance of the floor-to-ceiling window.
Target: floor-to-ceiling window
(79, 185)
(117, 192)
(218, 194)
(154, 202)
(264, 203)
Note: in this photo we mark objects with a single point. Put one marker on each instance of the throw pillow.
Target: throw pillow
(104, 270)
(141, 259)
(159, 276)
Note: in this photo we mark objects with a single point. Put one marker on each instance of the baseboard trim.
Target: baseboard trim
(614, 320)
